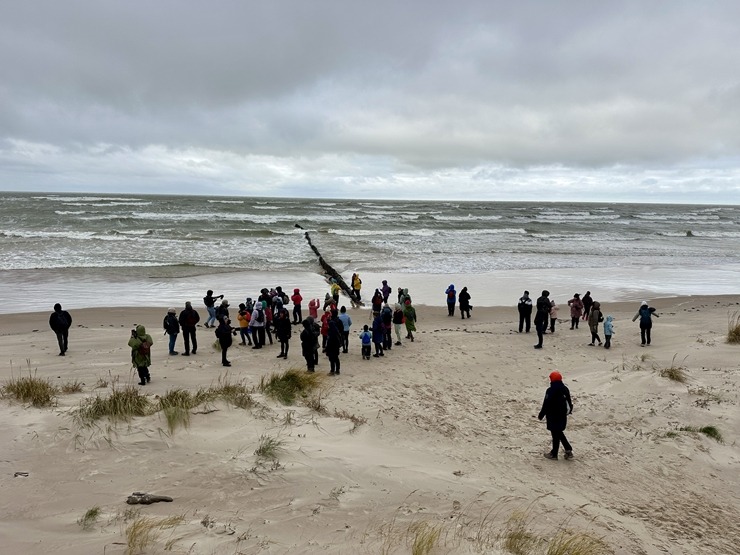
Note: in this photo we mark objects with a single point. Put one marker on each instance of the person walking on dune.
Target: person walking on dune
(556, 407)
(594, 317)
(645, 314)
(60, 321)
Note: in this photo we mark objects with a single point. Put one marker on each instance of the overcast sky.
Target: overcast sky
(552, 100)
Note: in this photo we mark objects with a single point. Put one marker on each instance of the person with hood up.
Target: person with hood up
(594, 317)
(576, 310)
(325, 317)
(141, 348)
(257, 323)
(243, 317)
(464, 299)
(556, 407)
(328, 302)
(222, 312)
(313, 308)
(377, 302)
(645, 314)
(283, 332)
(608, 331)
(386, 290)
(409, 314)
(524, 306)
(223, 333)
(398, 320)
(542, 317)
(335, 289)
(296, 299)
(172, 328)
(356, 284)
(588, 302)
(378, 335)
(60, 321)
(309, 344)
(334, 342)
(553, 315)
(189, 319)
(386, 317)
(451, 295)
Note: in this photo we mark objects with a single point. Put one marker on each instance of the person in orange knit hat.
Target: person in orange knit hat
(556, 407)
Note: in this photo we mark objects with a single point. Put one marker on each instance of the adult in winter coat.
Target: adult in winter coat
(141, 347)
(524, 306)
(451, 295)
(356, 284)
(398, 320)
(309, 344)
(172, 328)
(189, 319)
(553, 315)
(409, 314)
(386, 316)
(258, 323)
(283, 332)
(334, 342)
(576, 310)
(60, 321)
(325, 317)
(377, 302)
(594, 317)
(222, 312)
(297, 299)
(386, 290)
(556, 407)
(210, 301)
(645, 314)
(223, 333)
(378, 334)
(588, 302)
(346, 325)
(542, 317)
(464, 299)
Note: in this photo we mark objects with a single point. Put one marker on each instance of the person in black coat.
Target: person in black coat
(524, 306)
(542, 317)
(189, 319)
(556, 407)
(224, 333)
(60, 321)
(464, 300)
(334, 342)
(171, 327)
(283, 330)
(309, 344)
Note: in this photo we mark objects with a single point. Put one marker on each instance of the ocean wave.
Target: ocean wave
(213, 201)
(66, 199)
(70, 212)
(468, 218)
(373, 232)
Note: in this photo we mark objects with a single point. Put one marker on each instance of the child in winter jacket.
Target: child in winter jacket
(366, 338)
(608, 331)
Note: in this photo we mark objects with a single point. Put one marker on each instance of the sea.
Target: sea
(95, 250)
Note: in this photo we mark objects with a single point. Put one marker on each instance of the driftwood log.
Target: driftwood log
(331, 272)
(139, 498)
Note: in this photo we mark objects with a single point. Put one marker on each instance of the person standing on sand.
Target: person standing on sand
(409, 314)
(524, 306)
(645, 314)
(334, 343)
(398, 320)
(210, 301)
(464, 299)
(223, 333)
(356, 284)
(60, 321)
(542, 317)
(451, 295)
(296, 299)
(594, 317)
(386, 290)
(188, 319)
(346, 325)
(313, 308)
(386, 316)
(309, 344)
(378, 335)
(608, 331)
(257, 323)
(141, 348)
(243, 317)
(556, 407)
(172, 328)
(587, 304)
(366, 339)
(576, 310)
(377, 302)
(553, 315)
(283, 332)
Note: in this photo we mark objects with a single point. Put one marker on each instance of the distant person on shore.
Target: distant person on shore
(243, 317)
(587, 304)
(325, 317)
(335, 289)
(346, 325)
(386, 290)
(210, 301)
(283, 332)
(223, 333)
(608, 331)
(409, 314)
(398, 320)
(268, 322)
(451, 295)
(464, 300)
(257, 322)
(60, 321)
(334, 342)
(296, 299)
(313, 308)
(386, 316)
(524, 306)
(189, 319)
(366, 340)
(172, 328)
(356, 284)
(378, 335)
(556, 407)
(403, 296)
(399, 296)
(542, 317)
(222, 312)
(141, 348)
(645, 314)
(328, 302)
(576, 310)
(377, 302)
(309, 344)
(594, 317)
(553, 315)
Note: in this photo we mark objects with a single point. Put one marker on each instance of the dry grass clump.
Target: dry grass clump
(424, 537)
(356, 420)
(287, 386)
(675, 372)
(733, 328)
(238, 394)
(30, 389)
(121, 405)
(576, 543)
(90, 517)
(72, 387)
(516, 537)
(709, 431)
(144, 531)
(269, 448)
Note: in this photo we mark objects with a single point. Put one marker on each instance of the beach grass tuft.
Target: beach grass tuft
(72, 387)
(31, 389)
(733, 328)
(285, 387)
(424, 537)
(709, 431)
(121, 404)
(675, 372)
(576, 543)
(238, 394)
(269, 448)
(516, 537)
(144, 531)
(90, 517)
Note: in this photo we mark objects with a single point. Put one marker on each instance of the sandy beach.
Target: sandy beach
(440, 435)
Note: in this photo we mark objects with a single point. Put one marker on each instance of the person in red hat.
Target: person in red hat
(556, 407)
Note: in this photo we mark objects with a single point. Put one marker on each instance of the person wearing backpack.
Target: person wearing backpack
(210, 301)
(189, 319)
(172, 328)
(257, 323)
(594, 317)
(645, 314)
(451, 299)
(556, 407)
(366, 339)
(141, 348)
(60, 321)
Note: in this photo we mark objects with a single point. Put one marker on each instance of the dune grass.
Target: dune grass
(38, 392)
(121, 404)
(72, 387)
(145, 531)
(269, 448)
(238, 394)
(709, 431)
(675, 372)
(733, 328)
(424, 537)
(88, 520)
(287, 386)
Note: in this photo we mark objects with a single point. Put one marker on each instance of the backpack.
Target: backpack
(145, 349)
(260, 316)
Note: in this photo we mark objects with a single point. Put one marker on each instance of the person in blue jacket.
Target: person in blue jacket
(451, 300)
(645, 314)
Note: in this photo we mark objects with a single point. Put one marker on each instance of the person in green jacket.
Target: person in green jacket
(141, 345)
(410, 315)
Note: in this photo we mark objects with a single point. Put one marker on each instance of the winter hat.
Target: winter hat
(555, 376)
(188, 304)
(644, 303)
(408, 303)
(224, 303)
(171, 311)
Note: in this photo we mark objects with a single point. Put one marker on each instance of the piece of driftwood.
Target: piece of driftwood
(139, 498)
(331, 272)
